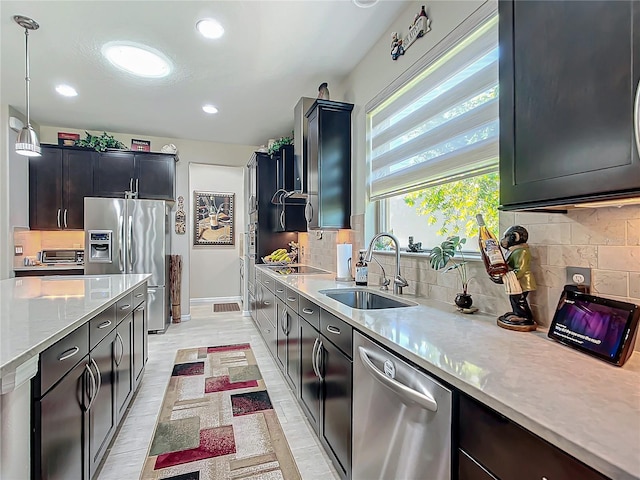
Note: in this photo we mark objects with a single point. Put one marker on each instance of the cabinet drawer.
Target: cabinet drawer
(310, 312)
(509, 451)
(139, 295)
(101, 325)
(269, 305)
(280, 290)
(258, 275)
(62, 356)
(469, 469)
(268, 282)
(338, 331)
(124, 307)
(292, 300)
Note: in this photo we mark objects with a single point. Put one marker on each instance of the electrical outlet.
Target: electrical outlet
(17, 250)
(319, 234)
(579, 276)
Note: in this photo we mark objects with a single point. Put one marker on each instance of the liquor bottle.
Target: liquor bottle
(492, 256)
(362, 270)
(422, 13)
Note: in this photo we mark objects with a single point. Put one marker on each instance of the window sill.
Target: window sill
(468, 256)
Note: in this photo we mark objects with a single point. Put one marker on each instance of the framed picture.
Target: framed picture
(213, 222)
(140, 145)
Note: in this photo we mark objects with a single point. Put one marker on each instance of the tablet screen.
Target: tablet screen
(591, 323)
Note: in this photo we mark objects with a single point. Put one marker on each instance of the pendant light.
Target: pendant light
(27, 143)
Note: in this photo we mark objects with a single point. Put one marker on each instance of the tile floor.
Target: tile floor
(129, 449)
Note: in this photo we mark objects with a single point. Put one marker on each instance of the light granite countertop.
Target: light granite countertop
(45, 267)
(586, 407)
(36, 312)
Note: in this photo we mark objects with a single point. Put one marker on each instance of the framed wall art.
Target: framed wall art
(213, 222)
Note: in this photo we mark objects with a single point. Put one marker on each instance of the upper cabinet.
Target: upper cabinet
(150, 175)
(569, 73)
(329, 165)
(58, 182)
(288, 212)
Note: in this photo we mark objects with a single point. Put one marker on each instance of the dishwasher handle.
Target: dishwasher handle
(422, 399)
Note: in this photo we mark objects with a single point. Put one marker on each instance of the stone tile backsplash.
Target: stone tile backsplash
(605, 239)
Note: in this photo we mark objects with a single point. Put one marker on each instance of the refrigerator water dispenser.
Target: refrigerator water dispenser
(100, 246)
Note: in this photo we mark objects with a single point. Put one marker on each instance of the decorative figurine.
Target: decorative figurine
(414, 247)
(518, 280)
(396, 46)
(323, 91)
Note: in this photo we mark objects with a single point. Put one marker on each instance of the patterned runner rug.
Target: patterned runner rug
(217, 421)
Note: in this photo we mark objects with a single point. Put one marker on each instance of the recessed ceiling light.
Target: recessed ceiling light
(365, 3)
(137, 59)
(209, 109)
(66, 90)
(210, 28)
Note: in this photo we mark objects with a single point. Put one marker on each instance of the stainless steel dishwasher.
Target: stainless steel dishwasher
(401, 418)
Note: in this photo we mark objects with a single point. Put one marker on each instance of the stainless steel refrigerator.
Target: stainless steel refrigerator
(131, 236)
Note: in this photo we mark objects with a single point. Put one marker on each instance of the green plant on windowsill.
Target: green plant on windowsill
(445, 252)
(100, 142)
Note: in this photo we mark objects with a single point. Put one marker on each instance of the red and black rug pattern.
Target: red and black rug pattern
(217, 421)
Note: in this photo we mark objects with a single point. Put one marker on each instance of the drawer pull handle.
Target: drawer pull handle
(267, 282)
(104, 324)
(308, 311)
(68, 353)
(279, 291)
(138, 295)
(267, 303)
(140, 308)
(125, 307)
(291, 299)
(332, 329)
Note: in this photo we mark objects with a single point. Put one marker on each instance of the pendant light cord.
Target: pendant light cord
(27, 79)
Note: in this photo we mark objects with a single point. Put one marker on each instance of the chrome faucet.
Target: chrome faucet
(398, 282)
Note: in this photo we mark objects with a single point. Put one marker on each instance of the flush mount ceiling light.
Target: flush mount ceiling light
(137, 59)
(210, 28)
(27, 143)
(209, 109)
(365, 3)
(66, 90)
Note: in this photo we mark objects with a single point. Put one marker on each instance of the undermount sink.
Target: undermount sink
(365, 299)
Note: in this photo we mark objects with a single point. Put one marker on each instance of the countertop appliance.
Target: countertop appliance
(56, 257)
(402, 423)
(131, 236)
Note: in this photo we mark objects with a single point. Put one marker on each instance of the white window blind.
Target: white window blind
(441, 124)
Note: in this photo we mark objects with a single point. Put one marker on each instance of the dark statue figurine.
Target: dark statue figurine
(518, 281)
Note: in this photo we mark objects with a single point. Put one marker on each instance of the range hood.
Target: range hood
(300, 149)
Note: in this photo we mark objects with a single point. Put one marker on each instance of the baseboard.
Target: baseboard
(196, 301)
(246, 313)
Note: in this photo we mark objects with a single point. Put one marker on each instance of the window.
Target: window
(432, 138)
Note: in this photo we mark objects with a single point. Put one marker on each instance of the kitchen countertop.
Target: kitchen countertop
(57, 266)
(586, 407)
(36, 312)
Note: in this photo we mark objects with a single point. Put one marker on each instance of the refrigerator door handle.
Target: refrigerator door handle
(129, 242)
(120, 240)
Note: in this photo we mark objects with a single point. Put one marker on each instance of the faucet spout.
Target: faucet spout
(399, 281)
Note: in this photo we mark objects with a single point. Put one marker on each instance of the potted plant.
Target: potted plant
(279, 143)
(100, 142)
(444, 253)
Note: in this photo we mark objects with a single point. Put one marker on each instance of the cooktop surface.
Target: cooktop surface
(296, 270)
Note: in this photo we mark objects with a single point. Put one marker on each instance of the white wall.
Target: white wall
(215, 270)
(189, 151)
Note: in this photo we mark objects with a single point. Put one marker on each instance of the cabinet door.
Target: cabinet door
(78, 183)
(102, 414)
(124, 365)
(293, 350)
(309, 382)
(139, 341)
(45, 190)
(336, 370)
(568, 79)
(155, 176)
(60, 428)
(281, 331)
(114, 174)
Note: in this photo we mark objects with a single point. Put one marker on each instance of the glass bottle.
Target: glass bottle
(362, 270)
(492, 256)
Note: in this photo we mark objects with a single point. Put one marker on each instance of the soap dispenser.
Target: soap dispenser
(362, 270)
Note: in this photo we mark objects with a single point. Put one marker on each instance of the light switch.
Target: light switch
(17, 250)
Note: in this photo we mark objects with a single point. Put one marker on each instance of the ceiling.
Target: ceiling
(272, 53)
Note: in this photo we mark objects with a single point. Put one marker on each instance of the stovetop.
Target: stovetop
(296, 270)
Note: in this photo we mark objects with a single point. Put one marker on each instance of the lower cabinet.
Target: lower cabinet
(288, 345)
(84, 384)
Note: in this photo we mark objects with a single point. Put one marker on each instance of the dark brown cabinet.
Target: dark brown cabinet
(329, 165)
(150, 175)
(288, 350)
(508, 451)
(326, 388)
(288, 211)
(58, 182)
(140, 333)
(123, 350)
(569, 74)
